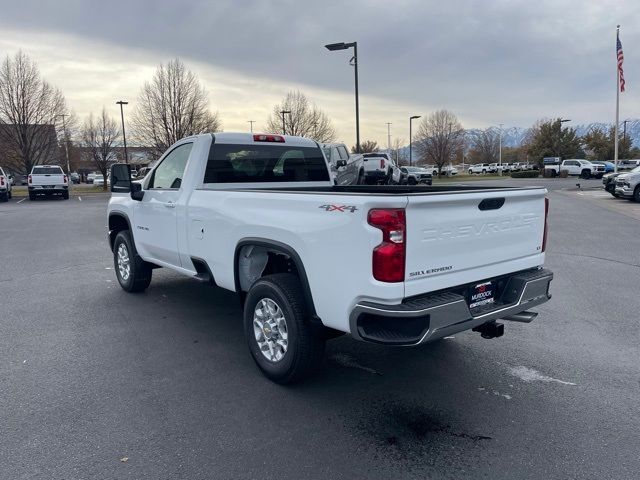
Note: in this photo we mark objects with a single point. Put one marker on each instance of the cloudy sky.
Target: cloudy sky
(488, 61)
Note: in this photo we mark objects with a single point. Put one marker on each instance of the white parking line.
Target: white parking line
(530, 375)
(20, 201)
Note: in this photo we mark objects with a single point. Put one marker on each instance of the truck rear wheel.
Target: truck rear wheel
(282, 341)
(636, 194)
(586, 174)
(134, 274)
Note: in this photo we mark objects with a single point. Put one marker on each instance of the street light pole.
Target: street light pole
(562, 120)
(124, 135)
(411, 119)
(624, 134)
(66, 146)
(343, 46)
(251, 122)
(500, 152)
(283, 112)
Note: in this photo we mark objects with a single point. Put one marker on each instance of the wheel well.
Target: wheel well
(257, 258)
(117, 223)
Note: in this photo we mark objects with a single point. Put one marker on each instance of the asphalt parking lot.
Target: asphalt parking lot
(98, 383)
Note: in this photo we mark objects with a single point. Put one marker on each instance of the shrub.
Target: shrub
(526, 174)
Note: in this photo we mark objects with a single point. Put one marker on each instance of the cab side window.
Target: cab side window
(343, 153)
(169, 173)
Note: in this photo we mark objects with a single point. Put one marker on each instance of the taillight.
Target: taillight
(1, 180)
(268, 138)
(389, 256)
(64, 179)
(29, 179)
(546, 214)
(381, 163)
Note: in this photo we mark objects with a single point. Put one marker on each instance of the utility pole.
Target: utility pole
(411, 119)
(389, 140)
(500, 152)
(66, 146)
(624, 135)
(283, 112)
(124, 136)
(251, 122)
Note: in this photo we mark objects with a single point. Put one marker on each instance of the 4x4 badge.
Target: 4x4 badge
(339, 208)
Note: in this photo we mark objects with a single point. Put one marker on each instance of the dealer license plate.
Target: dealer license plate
(481, 295)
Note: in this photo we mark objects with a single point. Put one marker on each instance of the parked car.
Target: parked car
(24, 179)
(380, 168)
(479, 168)
(98, 180)
(5, 186)
(576, 167)
(90, 177)
(628, 164)
(346, 169)
(609, 182)
(608, 166)
(447, 170)
(48, 180)
(628, 185)
(416, 175)
(207, 213)
(143, 172)
(75, 178)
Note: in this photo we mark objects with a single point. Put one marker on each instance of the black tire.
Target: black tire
(470, 172)
(65, 195)
(4, 197)
(484, 171)
(305, 341)
(411, 181)
(586, 174)
(10, 194)
(636, 194)
(32, 196)
(140, 271)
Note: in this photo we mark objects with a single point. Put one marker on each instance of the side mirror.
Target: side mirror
(120, 178)
(136, 191)
(341, 163)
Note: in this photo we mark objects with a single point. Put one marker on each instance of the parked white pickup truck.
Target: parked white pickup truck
(379, 168)
(346, 169)
(259, 215)
(48, 180)
(5, 186)
(576, 167)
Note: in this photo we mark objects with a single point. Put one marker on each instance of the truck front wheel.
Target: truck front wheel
(586, 174)
(134, 274)
(282, 341)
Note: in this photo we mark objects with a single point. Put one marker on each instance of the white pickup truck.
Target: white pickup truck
(576, 167)
(47, 180)
(5, 186)
(397, 265)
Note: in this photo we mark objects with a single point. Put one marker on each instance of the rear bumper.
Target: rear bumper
(433, 316)
(48, 189)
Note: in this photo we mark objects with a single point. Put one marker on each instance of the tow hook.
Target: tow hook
(490, 330)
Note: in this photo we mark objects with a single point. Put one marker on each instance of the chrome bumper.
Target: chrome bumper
(430, 317)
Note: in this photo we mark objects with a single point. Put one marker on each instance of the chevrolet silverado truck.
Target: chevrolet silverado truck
(346, 169)
(259, 215)
(48, 180)
(576, 167)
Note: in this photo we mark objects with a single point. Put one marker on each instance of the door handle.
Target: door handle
(170, 205)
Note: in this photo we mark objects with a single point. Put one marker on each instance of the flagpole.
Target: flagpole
(615, 129)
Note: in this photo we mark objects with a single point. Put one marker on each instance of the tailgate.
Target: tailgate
(459, 238)
(47, 179)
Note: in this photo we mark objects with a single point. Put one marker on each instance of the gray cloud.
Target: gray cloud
(490, 62)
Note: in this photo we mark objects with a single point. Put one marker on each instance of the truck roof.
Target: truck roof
(251, 138)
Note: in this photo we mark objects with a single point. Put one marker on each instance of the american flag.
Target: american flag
(620, 60)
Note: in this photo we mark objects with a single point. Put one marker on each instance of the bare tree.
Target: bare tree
(485, 147)
(366, 146)
(398, 153)
(439, 137)
(172, 106)
(305, 119)
(30, 108)
(99, 137)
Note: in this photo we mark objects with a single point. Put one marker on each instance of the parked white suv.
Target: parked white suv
(5, 186)
(260, 216)
(480, 168)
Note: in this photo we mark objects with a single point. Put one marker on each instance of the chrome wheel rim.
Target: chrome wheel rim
(270, 330)
(124, 263)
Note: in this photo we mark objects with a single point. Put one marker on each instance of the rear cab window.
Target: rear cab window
(231, 163)
(46, 171)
